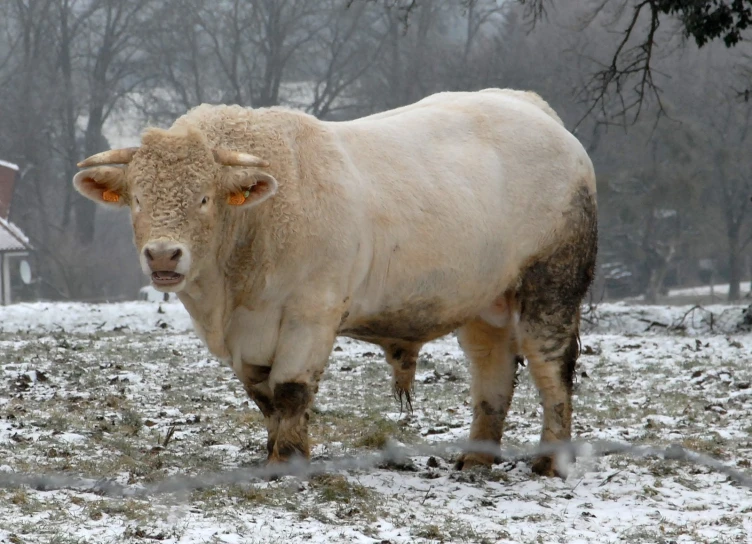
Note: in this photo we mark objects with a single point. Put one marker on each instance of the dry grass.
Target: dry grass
(139, 407)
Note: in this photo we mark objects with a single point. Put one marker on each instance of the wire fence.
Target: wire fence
(392, 454)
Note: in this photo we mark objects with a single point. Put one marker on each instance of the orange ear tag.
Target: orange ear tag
(110, 196)
(237, 199)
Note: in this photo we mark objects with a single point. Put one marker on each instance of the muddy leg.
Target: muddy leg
(403, 358)
(551, 291)
(552, 363)
(493, 365)
(255, 380)
(305, 342)
(291, 404)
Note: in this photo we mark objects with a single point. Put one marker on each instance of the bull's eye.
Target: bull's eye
(204, 200)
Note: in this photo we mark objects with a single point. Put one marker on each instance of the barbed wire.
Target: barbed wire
(392, 454)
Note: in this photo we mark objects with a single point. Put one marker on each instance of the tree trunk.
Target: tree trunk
(69, 114)
(94, 141)
(85, 209)
(735, 267)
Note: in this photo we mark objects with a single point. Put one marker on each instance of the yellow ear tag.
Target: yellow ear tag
(236, 199)
(110, 196)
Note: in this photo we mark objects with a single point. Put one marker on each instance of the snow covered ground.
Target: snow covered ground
(700, 294)
(705, 290)
(96, 390)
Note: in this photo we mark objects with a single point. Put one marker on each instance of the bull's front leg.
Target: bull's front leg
(305, 343)
(255, 379)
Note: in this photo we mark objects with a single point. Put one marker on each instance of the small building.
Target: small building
(15, 249)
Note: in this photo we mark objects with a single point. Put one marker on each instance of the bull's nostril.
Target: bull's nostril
(177, 254)
(149, 256)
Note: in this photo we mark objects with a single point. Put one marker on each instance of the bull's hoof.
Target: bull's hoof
(546, 466)
(286, 462)
(467, 461)
(284, 465)
(294, 456)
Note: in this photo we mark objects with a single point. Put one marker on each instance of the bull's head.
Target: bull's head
(178, 189)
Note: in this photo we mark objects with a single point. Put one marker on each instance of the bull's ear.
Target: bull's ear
(102, 184)
(246, 187)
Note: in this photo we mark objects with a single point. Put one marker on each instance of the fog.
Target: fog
(666, 123)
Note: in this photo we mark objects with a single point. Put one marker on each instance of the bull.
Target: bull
(469, 212)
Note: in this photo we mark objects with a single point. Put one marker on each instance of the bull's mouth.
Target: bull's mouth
(165, 279)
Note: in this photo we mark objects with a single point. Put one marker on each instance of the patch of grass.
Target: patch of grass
(371, 430)
(497, 476)
(131, 421)
(645, 534)
(708, 447)
(129, 509)
(58, 422)
(432, 532)
(649, 491)
(253, 494)
(377, 433)
(335, 488)
(19, 497)
(64, 539)
(248, 494)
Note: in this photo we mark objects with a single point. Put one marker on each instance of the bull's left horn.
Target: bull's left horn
(113, 156)
(235, 158)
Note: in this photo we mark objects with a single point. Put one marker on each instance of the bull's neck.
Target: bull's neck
(228, 280)
(206, 300)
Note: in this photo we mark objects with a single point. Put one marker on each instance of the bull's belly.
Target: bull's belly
(410, 301)
(421, 322)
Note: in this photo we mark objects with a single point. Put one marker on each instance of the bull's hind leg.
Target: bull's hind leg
(550, 293)
(403, 358)
(493, 364)
(552, 355)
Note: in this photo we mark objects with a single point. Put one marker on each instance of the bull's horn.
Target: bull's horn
(113, 156)
(235, 158)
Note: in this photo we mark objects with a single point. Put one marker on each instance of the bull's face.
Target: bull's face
(178, 190)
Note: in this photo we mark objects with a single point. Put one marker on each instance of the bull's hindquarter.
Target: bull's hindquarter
(444, 211)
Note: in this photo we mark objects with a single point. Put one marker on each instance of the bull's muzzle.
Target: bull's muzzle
(166, 262)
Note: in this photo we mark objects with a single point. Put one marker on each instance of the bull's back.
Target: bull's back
(455, 196)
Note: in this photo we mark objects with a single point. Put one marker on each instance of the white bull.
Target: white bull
(473, 212)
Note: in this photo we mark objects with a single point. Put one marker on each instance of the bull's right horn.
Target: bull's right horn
(236, 158)
(113, 156)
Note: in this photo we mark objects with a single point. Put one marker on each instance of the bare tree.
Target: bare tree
(113, 69)
(730, 166)
(70, 63)
(341, 54)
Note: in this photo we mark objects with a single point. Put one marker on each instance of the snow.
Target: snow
(11, 237)
(94, 389)
(10, 165)
(705, 290)
(152, 295)
(137, 316)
